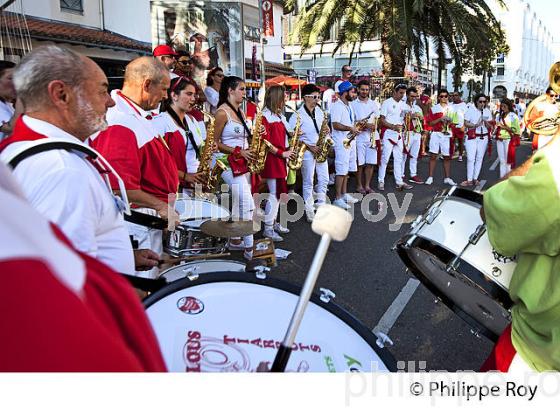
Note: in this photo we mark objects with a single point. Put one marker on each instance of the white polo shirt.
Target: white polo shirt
(343, 114)
(393, 111)
(70, 192)
(473, 116)
(363, 109)
(309, 133)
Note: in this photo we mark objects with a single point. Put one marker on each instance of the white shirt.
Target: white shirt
(6, 114)
(212, 99)
(328, 96)
(365, 109)
(309, 133)
(473, 116)
(343, 114)
(393, 111)
(69, 191)
(414, 109)
(460, 109)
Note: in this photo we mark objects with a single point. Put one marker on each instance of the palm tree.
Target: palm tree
(466, 30)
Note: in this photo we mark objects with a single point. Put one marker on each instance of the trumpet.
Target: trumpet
(360, 126)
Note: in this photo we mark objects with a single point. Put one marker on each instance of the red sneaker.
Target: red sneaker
(416, 180)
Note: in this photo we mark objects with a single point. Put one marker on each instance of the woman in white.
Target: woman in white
(478, 123)
(212, 91)
(508, 126)
(231, 134)
(7, 96)
(181, 131)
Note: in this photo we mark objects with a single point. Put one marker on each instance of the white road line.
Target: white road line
(480, 186)
(392, 314)
(495, 164)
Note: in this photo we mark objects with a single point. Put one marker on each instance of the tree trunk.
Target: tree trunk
(394, 65)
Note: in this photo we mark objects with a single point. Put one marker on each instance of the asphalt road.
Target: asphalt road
(367, 276)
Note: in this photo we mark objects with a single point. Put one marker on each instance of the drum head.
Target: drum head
(198, 267)
(193, 212)
(467, 292)
(231, 322)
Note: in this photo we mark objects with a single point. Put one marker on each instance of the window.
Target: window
(500, 71)
(72, 5)
(500, 59)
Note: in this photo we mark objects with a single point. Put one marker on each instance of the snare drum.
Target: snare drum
(187, 239)
(195, 268)
(231, 322)
(448, 250)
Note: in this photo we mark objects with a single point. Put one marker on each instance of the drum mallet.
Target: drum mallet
(331, 222)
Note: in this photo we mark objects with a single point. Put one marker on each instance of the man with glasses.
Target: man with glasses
(343, 121)
(366, 153)
(391, 121)
(547, 108)
(439, 119)
(168, 56)
(478, 123)
(458, 127)
(311, 117)
(346, 75)
(184, 65)
(414, 120)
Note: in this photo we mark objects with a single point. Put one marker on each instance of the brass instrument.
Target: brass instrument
(360, 126)
(325, 142)
(537, 121)
(445, 130)
(211, 174)
(373, 133)
(297, 146)
(259, 146)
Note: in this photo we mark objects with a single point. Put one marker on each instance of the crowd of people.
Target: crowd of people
(80, 157)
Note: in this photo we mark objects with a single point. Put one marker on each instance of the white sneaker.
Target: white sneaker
(341, 203)
(449, 181)
(350, 199)
(381, 186)
(272, 235)
(331, 179)
(309, 215)
(280, 229)
(429, 181)
(248, 255)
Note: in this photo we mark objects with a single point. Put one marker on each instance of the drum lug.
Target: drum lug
(326, 295)
(476, 333)
(383, 340)
(191, 273)
(432, 215)
(261, 271)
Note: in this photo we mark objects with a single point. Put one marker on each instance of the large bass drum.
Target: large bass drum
(231, 322)
(204, 266)
(448, 250)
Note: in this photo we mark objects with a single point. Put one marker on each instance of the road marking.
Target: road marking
(495, 164)
(394, 311)
(480, 186)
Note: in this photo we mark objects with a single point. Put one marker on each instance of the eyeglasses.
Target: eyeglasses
(219, 74)
(347, 70)
(313, 97)
(443, 96)
(552, 95)
(184, 61)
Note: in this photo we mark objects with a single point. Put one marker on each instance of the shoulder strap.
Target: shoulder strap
(43, 146)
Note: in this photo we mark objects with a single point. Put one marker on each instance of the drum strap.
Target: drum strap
(135, 217)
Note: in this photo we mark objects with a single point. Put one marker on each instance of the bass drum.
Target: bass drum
(231, 322)
(448, 250)
(197, 267)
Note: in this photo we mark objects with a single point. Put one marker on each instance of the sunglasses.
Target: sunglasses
(219, 75)
(184, 61)
(346, 70)
(313, 97)
(443, 96)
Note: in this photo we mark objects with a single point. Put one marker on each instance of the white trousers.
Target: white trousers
(396, 150)
(413, 148)
(308, 170)
(242, 204)
(475, 148)
(502, 148)
(271, 207)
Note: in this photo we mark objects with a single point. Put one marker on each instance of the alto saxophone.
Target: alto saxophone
(259, 146)
(325, 142)
(211, 174)
(297, 146)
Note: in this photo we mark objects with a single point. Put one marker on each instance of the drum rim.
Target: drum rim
(201, 261)
(192, 219)
(446, 255)
(224, 276)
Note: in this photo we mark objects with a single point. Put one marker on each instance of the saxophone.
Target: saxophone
(325, 142)
(259, 146)
(211, 174)
(297, 146)
(360, 126)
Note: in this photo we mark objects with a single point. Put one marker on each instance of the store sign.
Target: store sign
(268, 18)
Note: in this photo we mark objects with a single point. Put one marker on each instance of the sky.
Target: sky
(547, 11)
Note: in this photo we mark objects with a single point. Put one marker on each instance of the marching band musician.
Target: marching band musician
(232, 136)
(439, 119)
(67, 103)
(477, 123)
(137, 152)
(311, 117)
(413, 134)
(366, 154)
(181, 131)
(508, 133)
(274, 171)
(391, 121)
(542, 108)
(343, 123)
(459, 108)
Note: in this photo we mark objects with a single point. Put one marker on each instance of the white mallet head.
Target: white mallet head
(332, 220)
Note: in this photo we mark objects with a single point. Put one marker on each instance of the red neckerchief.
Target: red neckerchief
(21, 133)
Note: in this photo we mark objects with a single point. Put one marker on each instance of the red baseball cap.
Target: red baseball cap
(164, 50)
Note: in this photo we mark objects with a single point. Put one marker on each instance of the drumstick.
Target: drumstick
(331, 222)
(192, 258)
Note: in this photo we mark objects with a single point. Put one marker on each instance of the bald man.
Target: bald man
(65, 99)
(136, 151)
